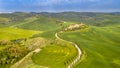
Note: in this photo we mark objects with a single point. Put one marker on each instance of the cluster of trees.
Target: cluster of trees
(14, 50)
(11, 54)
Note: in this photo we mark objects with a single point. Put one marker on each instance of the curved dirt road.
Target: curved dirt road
(16, 65)
(78, 49)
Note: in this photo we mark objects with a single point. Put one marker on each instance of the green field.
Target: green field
(58, 55)
(15, 33)
(101, 46)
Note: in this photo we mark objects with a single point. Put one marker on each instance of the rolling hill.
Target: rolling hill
(99, 44)
(99, 40)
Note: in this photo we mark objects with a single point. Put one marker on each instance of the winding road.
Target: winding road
(78, 49)
(37, 50)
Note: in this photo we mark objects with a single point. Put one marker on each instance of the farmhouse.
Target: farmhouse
(75, 27)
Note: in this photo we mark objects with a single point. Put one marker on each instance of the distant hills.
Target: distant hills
(91, 18)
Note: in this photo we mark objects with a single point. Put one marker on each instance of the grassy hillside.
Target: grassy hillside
(32, 21)
(26, 20)
(42, 23)
(11, 19)
(100, 46)
(15, 33)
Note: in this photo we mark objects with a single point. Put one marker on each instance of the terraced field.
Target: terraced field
(100, 45)
(59, 55)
